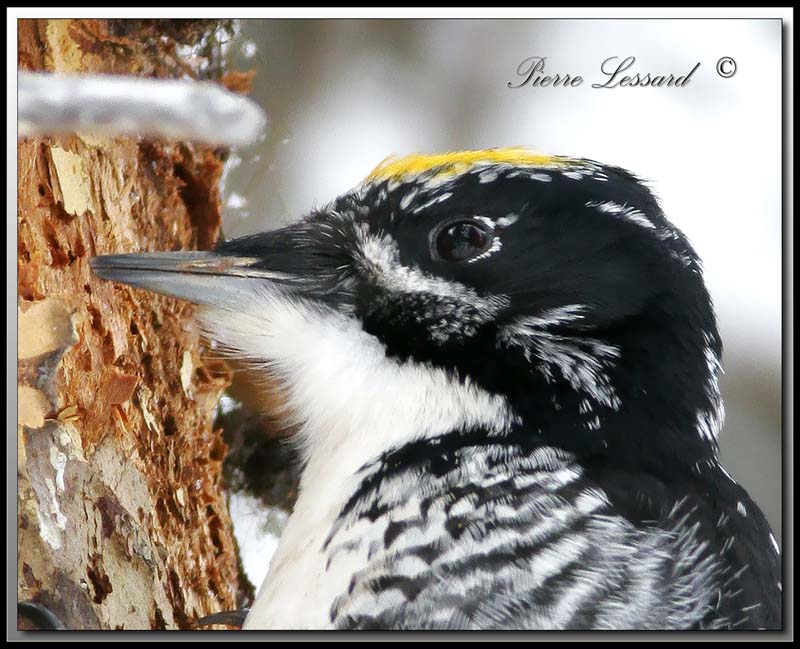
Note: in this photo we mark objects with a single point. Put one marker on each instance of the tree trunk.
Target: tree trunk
(121, 510)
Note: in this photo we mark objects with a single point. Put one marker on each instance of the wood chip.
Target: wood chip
(43, 327)
(33, 407)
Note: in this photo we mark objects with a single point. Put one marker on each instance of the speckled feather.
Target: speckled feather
(461, 534)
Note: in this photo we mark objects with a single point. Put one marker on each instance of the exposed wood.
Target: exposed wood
(121, 509)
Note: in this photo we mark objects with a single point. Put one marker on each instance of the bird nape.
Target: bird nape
(503, 367)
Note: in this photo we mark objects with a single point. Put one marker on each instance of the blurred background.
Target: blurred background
(341, 95)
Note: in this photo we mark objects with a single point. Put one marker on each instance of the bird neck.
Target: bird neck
(640, 392)
(654, 404)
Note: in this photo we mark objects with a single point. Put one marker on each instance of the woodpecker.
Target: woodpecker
(503, 367)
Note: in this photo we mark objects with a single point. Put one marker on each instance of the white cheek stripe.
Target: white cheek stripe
(623, 211)
(382, 260)
(445, 308)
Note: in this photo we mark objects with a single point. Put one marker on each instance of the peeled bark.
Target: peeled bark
(121, 509)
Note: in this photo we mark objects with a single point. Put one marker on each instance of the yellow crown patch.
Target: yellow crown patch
(457, 162)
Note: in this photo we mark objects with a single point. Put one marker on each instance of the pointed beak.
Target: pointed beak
(201, 277)
(299, 260)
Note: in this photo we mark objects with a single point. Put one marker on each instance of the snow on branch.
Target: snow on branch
(119, 105)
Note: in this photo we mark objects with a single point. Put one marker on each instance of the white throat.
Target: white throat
(351, 404)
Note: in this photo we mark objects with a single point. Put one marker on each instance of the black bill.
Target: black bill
(299, 259)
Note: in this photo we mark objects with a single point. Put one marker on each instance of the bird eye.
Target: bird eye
(460, 240)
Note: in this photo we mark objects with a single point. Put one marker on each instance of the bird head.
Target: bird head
(553, 285)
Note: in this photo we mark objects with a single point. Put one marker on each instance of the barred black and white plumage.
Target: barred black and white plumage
(504, 370)
(518, 536)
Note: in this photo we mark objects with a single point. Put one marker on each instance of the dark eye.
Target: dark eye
(460, 240)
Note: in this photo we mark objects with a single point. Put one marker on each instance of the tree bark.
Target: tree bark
(122, 519)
